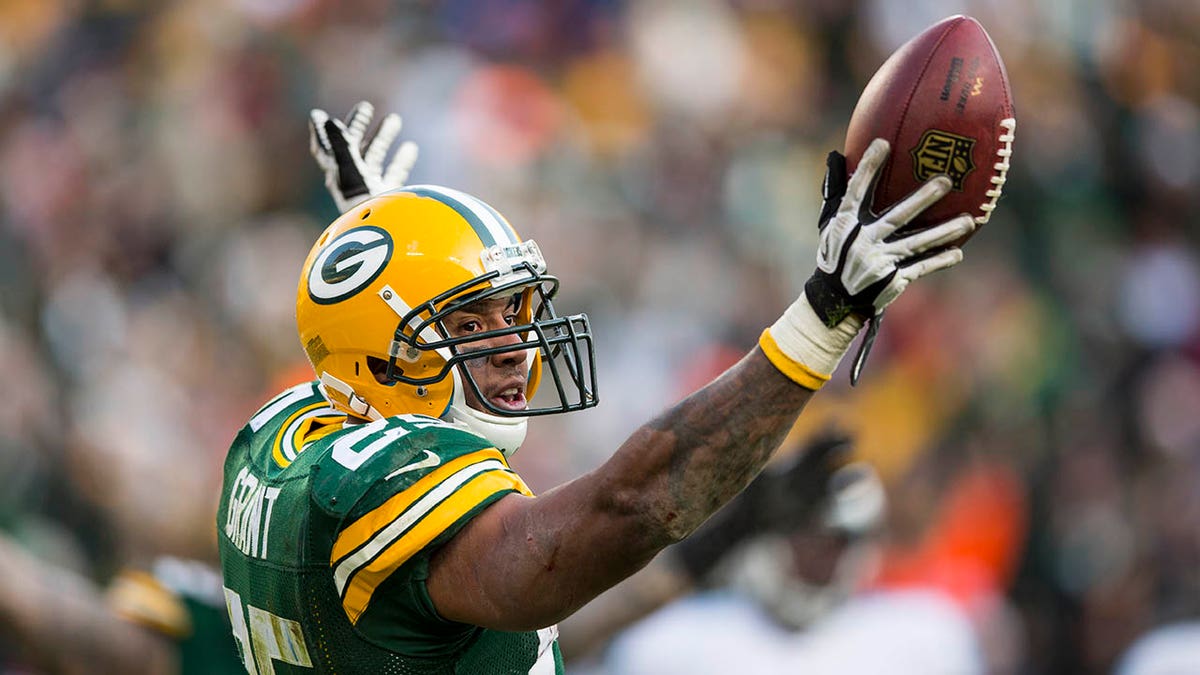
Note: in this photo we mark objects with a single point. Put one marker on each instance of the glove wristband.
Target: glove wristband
(803, 348)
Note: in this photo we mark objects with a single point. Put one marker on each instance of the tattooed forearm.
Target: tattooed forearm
(700, 453)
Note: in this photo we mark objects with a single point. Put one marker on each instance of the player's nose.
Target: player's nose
(502, 359)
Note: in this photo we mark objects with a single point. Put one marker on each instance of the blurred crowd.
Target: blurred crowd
(157, 200)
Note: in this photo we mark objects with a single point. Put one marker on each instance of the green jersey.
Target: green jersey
(325, 533)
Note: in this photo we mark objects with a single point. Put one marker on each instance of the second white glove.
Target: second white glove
(354, 168)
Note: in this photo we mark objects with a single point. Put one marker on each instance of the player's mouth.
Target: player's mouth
(510, 398)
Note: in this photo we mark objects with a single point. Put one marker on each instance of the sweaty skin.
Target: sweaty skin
(526, 563)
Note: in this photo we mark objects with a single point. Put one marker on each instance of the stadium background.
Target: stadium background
(157, 199)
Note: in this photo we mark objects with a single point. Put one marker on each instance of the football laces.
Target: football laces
(1004, 152)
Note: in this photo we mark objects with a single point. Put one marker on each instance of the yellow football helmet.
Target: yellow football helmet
(381, 279)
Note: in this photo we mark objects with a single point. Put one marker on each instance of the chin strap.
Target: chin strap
(340, 393)
(506, 433)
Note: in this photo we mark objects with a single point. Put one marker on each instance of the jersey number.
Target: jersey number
(267, 638)
(350, 452)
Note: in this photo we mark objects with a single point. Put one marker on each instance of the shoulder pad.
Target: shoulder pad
(397, 450)
(396, 489)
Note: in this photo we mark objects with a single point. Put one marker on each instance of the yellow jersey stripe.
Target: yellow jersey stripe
(424, 530)
(362, 530)
(294, 430)
(795, 371)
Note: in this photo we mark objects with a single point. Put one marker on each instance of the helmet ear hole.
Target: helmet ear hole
(378, 368)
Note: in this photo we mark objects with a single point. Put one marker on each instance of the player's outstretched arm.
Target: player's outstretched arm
(528, 562)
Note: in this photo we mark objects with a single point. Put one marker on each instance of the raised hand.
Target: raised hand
(864, 261)
(862, 267)
(354, 168)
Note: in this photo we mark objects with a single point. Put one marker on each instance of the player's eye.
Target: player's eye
(469, 326)
(510, 319)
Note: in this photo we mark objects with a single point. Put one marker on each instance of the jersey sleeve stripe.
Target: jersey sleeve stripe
(280, 403)
(362, 530)
(422, 530)
(397, 526)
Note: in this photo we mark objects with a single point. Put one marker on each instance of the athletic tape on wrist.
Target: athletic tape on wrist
(803, 348)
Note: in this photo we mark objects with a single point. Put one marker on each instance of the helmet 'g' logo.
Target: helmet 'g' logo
(348, 264)
(943, 152)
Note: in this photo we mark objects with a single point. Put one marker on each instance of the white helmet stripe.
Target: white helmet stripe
(491, 227)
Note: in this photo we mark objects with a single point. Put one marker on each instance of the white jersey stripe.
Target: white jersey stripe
(396, 529)
(280, 403)
(288, 443)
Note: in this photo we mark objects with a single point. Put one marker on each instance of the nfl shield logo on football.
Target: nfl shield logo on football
(943, 152)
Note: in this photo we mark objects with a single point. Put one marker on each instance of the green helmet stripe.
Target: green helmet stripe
(489, 225)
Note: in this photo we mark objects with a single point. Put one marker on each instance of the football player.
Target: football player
(369, 520)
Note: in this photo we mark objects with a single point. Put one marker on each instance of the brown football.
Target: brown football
(943, 102)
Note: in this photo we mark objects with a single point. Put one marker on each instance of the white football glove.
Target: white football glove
(354, 169)
(862, 267)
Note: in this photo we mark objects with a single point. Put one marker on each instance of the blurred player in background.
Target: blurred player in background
(1170, 649)
(834, 591)
(786, 551)
(168, 620)
(369, 520)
